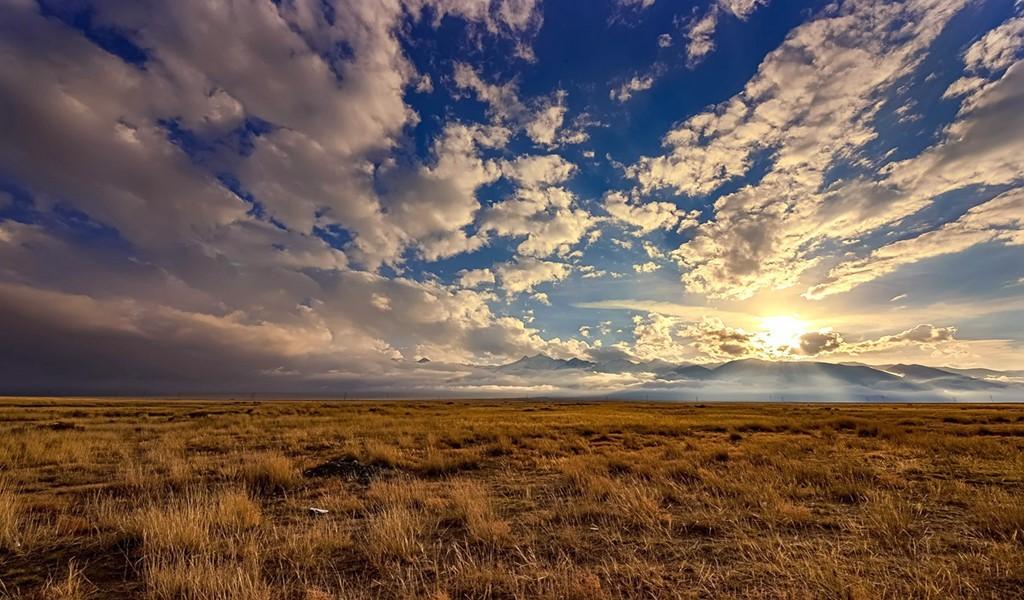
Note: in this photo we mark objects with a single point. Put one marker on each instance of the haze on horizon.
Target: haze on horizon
(321, 196)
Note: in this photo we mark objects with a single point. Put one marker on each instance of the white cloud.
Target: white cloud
(998, 220)
(264, 294)
(648, 216)
(701, 31)
(524, 274)
(547, 217)
(811, 103)
(653, 251)
(432, 205)
(708, 338)
(637, 4)
(700, 35)
(542, 120)
(381, 303)
(473, 278)
(547, 120)
(625, 91)
(507, 17)
(998, 48)
(534, 171)
(664, 40)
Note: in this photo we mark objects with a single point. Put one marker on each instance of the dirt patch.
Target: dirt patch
(347, 468)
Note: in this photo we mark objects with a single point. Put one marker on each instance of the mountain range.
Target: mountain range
(858, 380)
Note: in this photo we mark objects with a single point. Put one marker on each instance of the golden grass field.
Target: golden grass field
(208, 500)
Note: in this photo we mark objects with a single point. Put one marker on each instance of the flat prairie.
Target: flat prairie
(212, 499)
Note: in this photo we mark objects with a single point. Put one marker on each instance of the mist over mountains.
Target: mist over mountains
(754, 379)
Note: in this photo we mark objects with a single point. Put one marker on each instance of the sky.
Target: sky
(328, 196)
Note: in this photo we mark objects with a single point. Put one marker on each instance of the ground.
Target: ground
(210, 499)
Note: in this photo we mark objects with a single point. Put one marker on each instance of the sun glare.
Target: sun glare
(783, 331)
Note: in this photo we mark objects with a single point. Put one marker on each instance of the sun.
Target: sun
(782, 331)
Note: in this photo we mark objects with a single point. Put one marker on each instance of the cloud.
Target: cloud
(535, 171)
(625, 91)
(473, 278)
(524, 274)
(260, 207)
(547, 217)
(648, 216)
(818, 342)
(700, 36)
(246, 279)
(997, 49)
(636, 4)
(542, 119)
(547, 120)
(998, 220)
(811, 103)
(432, 205)
(328, 118)
(60, 94)
(671, 339)
(701, 31)
(508, 17)
(925, 335)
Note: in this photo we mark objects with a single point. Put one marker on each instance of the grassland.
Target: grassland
(210, 500)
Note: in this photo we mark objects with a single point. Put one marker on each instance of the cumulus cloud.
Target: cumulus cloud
(524, 274)
(674, 339)
(256, 208)
(432, 205)
(925, 335)
(814, 343)
(700, 31)
(811, 103)
(998, 48)
(541, 119)
(637, 4)
(548, 217)
(535, 171)
(700, 36)
(253, 268)
(625, 91)
(473, 278)
(671, 338)
(646, 217)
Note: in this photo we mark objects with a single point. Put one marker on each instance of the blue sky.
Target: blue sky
(318, 194)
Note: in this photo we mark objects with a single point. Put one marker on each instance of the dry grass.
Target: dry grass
(269, 473)
(11, 521)
(473, 508)
(208, 500)
(205, 578)
(71, 585)
(394, 533)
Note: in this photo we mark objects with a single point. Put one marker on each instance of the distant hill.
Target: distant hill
(856, 378)
(942, 378)
(541, 362)
(752, 370)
